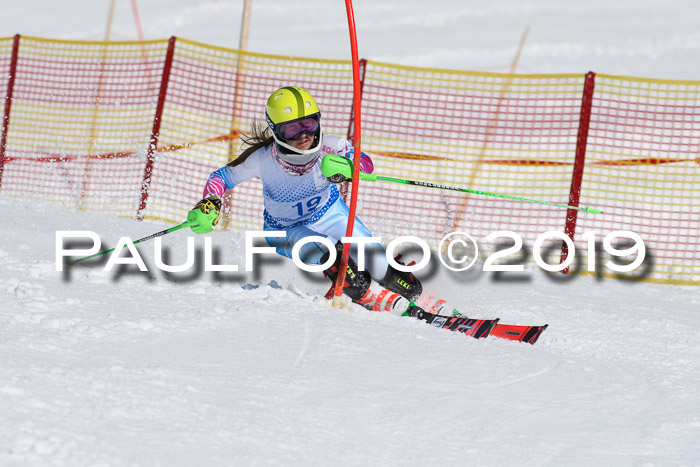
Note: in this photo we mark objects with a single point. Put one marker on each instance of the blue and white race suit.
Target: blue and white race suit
(302, 205)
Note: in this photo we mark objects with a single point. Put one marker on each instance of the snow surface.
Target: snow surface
(133, 368)
(143, 368)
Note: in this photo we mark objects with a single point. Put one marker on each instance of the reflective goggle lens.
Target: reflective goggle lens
(292, 131)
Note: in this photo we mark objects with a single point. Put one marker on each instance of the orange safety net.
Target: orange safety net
(83, 115)
(80, 121)
(504, 134)
(643, 170)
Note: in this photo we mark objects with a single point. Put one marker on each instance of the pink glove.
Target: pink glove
(366, 164)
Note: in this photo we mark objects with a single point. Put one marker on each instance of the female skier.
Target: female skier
(298, 198)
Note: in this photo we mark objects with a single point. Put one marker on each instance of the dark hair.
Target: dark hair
(260, 136)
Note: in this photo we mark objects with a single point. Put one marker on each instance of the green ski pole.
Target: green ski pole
(338, 169)
(157, 234)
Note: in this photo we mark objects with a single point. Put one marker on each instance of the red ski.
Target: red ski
(377, 298)
(514, 332)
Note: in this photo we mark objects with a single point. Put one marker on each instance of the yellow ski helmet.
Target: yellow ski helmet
(290, 112)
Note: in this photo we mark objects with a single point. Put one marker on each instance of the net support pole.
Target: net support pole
(233, 147)
(110, 20)
(84, 200)
(155, 132)
(8, 103)
(490, 130)
(579, 163)
(357, 100)
(139, 31)
(137, 19)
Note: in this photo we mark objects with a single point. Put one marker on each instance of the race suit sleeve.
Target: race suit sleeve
(225, 178)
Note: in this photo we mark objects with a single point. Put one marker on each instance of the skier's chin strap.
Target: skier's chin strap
(295, 161)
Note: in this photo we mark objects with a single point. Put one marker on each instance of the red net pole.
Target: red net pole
(351, 126)
(579, 162)
(357, 100)
(150, 155)
(8, 103)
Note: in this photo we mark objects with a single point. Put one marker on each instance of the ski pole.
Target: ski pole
(157, 234)
(338, 169)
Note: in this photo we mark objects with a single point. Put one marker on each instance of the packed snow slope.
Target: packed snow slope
(145, 368)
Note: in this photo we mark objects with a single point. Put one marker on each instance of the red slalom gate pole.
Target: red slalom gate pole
(357, 98)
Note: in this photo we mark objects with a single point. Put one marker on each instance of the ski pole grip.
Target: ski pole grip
(333, 165)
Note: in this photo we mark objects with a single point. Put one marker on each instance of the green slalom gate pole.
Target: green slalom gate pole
(338, 169)
(157, 234)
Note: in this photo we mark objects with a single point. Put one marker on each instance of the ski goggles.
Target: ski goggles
(292, 131)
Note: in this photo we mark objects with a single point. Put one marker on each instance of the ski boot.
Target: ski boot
(403, 283)
(361, 289)
(356, 282)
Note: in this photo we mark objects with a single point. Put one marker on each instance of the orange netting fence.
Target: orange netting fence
(135, 128)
